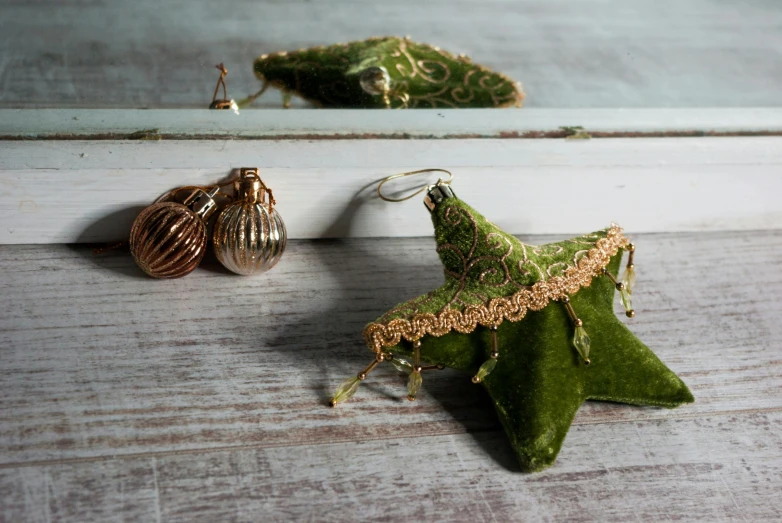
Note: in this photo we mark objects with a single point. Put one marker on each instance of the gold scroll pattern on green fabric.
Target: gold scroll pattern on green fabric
(421, 75)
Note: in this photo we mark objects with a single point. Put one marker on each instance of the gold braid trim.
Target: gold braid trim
(513, 308)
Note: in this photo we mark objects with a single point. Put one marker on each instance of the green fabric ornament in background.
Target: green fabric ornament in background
(387, 72)
(534, 325)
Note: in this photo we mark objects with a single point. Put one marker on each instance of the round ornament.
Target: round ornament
(249, 236)
(168, 239)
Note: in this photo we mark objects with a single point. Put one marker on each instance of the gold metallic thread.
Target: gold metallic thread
(513, 308)
(619, 286)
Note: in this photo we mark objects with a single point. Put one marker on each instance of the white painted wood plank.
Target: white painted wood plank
(98, 360)
(714, 470)
(86, 191)
(568, 53)
(251, 123)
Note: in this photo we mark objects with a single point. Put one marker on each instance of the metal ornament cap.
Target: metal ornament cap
(225, 105)
(168, 240)
(249, 237)
(375, 80)
(202, 203)
(436, 194)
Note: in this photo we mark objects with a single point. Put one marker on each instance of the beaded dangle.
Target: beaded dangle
(488, 366)
(349, 387)
(580, 336)
(625, 287)
(435, 195)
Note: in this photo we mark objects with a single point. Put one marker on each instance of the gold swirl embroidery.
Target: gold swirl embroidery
(469, 93)
(578, 255)
(411, 307)
(501, 260)
(525, 272)
(433, 71)
(419, 67)
(427, 69)
(543, 251)
(379, 336)
(432, 99)
(527, 261)
(458, 95)
(555, 269)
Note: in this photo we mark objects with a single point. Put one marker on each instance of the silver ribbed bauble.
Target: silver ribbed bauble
(249, 236)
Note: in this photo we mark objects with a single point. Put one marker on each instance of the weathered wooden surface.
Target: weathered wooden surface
(203, 399)
(711, 469)
(568, 53)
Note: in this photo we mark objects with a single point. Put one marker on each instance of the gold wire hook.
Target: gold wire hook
(440, 181)
(220, 81)
(172, 194)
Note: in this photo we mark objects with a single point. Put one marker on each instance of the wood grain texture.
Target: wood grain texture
(203, 399)
(83, 191)
(358, 123)
(568, 53)
(681, 470)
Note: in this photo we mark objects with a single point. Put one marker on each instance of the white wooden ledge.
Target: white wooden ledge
(89, 190)
(424, 123)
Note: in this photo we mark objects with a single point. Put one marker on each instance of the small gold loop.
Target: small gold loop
(220, 81)
(440, 181)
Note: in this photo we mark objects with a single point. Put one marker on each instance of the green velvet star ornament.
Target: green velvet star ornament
(534, 325)
(388, 72)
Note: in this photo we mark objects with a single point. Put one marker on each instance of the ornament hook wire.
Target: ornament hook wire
(220, 81)
(224, 102)
(174, 193)
(440, 181)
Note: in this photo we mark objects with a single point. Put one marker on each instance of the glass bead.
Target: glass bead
(402, 365)
(628, 279)
(485, 370)
(627, 300)
(414, 384)
(346, 390)
(581, 342)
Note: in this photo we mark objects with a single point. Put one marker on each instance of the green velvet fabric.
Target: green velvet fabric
(421, 76)
(539, 381)
(482, 262)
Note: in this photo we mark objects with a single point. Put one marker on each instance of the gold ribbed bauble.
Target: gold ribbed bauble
(249, 236)
(168, 239)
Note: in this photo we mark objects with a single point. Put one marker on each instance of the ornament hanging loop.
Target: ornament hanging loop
(440, 181)
(224, 102)
(220, 81)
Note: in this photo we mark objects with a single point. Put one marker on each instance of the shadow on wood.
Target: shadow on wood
(113, 259)
(372, 277)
